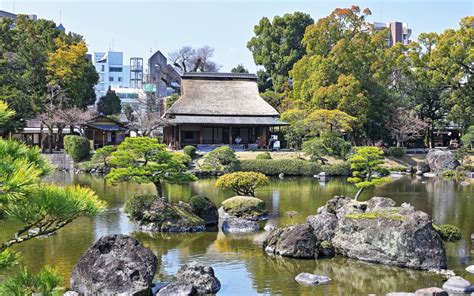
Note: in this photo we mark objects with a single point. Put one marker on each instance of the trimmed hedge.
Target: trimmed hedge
(77, 147)
(397, 152)
(190, 150)
(293, 167)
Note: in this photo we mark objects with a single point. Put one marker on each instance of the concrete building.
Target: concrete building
(163, 75)
(13, 16)
(112, 72)
(135, 97)
(398, 32)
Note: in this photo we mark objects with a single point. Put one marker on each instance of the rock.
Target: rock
(269, 227)
(201, 277)
(297, 241)
(173, 289)
(71, 293)
(161, 215)
(400, 294)
(239, 225)
(205, 209)
(433, 291)
(447, 273)
(457, 284)
(470, 269)
(246, 207)
(324, 225)
(376, 231)
(429, 175)
(422, 167)
(311, 279)
(472, 237)
(326, 249)
(439, 160)
(115, 264)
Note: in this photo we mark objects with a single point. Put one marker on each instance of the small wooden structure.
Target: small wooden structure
(220, 109)
(103, 131)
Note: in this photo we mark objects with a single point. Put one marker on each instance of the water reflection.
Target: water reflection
(238, 260)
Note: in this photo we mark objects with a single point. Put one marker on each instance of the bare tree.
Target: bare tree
(188, 59)
(145, 122)
(404, 126)
(76, 117)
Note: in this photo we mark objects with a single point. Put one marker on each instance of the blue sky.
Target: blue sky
(138, 27)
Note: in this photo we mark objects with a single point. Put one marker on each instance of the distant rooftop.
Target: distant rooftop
(218, 75)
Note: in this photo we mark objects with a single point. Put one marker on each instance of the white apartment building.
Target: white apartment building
(135, 97)
(398, 32)
(112, 72)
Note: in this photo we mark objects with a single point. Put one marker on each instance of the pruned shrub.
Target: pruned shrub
(77, 147)
(264, 155)
(102, 155)
(183, 158)
(190, 150)
(242, 183)
(397, 152)
(135, 205)
(290, 167)
(220, 159)
(337, 169)
(448, 232)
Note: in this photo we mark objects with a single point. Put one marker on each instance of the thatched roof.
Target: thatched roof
(220, 94)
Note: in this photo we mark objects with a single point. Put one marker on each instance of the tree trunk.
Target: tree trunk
(159, 188)
(359, 192)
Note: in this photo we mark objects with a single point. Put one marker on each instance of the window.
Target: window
(111, 78)
(115, 69)
(119, 79)
(102, 68)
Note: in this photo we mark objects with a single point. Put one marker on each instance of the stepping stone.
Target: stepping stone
(457, 284)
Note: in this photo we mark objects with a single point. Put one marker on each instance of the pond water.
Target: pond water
(239, 261)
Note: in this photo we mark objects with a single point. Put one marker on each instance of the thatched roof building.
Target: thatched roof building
(220, 108)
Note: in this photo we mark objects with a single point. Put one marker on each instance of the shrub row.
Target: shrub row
(292, 167)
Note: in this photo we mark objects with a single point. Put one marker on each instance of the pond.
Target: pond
(239, 261)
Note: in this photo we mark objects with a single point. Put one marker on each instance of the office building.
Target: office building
(112, 72)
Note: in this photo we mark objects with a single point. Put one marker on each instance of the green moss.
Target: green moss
(244, 206)
(190, 218)
(386, 214)
(448, 232)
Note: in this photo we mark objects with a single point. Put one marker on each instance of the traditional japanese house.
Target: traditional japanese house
(220, 109)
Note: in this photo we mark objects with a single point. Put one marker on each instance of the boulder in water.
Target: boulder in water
(205, 209)
(200, 276)
(297, 241)
(115, 265)
(439, 160)
(239, 225)
(245, 207)
(311, 279)
(457, 284)
(159, 215)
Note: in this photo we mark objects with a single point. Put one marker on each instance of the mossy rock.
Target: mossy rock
(448, 232)
(383, 214)
(205, 209)
(246, 207)
(158, 215)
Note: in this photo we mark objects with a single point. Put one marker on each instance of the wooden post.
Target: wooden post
(230, 135)
(200, 134)
(179, 137)
(93, 138)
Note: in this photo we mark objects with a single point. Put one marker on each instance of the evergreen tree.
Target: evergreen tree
(109, 104)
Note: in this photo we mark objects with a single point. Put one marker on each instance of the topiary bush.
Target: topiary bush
(190, 150)
(264, 155)
(135, 205)
(220, 159)
(183, 158)
(242, 183)
(77, 147)
(448, 232)
(397, 152)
